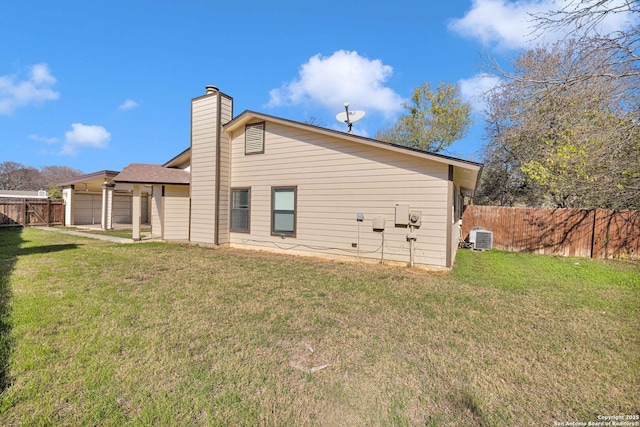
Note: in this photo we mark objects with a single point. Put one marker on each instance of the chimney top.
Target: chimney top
(211, 89)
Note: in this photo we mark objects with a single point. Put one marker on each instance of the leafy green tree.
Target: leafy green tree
(434, 119)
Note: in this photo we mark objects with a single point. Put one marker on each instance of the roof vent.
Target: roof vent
(211, 89)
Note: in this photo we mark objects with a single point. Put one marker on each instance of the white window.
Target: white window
(283, 211)
(240, 209)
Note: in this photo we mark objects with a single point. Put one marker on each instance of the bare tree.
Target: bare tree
(15, 176)
(314, 121)
(569, 143)
(54, 174)
(582, 21)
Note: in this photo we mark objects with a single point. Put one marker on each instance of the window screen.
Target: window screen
(240, 204)
(283, 215)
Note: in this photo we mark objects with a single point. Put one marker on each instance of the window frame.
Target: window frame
(246, 128)
(275, 232)
(248, 209)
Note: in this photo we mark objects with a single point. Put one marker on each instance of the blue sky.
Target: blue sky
(99, 85)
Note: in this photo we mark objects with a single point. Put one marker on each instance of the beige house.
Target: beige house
(264, 182)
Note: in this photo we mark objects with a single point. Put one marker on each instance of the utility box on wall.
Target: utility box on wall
(378, 223)
(402, 215)
(415, 218)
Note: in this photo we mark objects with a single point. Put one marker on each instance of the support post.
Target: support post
(136, 214)
(106, 221)
(68, 196)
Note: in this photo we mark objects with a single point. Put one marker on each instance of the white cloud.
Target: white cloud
(128, 104)
(40, 75)
(506, 25)
(34, 90)
(46, 140)
(614, 22)
(329, 81)
(473, 89)
(81, 136)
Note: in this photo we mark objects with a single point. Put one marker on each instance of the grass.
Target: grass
(95, 333)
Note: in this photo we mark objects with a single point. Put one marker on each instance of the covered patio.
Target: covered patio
(169, 202)
(95, 200)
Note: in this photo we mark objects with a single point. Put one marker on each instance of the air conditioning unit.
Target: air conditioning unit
(481, 239)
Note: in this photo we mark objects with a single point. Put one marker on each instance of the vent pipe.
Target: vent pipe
(211, 89)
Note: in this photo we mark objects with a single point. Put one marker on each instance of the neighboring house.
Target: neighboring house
(264, 182)
(22, 194)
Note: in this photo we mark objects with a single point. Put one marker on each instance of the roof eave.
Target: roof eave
(82, 178)
(178, 159)
(144, 182)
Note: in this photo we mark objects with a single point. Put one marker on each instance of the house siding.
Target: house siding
(87, 208)
(156, 211)
(121, 210)
(210, 168)
(456, 217)
(176, 212)
(204, 129)
(226, 113)
(335, 180)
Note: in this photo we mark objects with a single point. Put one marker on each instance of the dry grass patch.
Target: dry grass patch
(163, 334)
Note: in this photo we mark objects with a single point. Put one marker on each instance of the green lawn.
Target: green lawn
(95, 333)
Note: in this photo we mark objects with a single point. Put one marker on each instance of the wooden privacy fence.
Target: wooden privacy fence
(592, 233)
(29, 212)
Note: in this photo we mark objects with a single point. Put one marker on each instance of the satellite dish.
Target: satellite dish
(349, 117)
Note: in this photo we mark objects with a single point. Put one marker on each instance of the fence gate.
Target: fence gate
(31, 212)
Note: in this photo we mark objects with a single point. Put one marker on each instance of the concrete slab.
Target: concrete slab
(106, 237)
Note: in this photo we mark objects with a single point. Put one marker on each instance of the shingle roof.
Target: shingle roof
(88, 177)
(152, 174)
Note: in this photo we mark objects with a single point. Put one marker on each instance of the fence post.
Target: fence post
(24, 213)
(593, 232)
(47, 213)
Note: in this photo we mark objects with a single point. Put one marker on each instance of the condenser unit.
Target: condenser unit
(481, 239)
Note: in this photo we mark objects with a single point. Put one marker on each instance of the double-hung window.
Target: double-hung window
(283, 211)
(240, 208)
